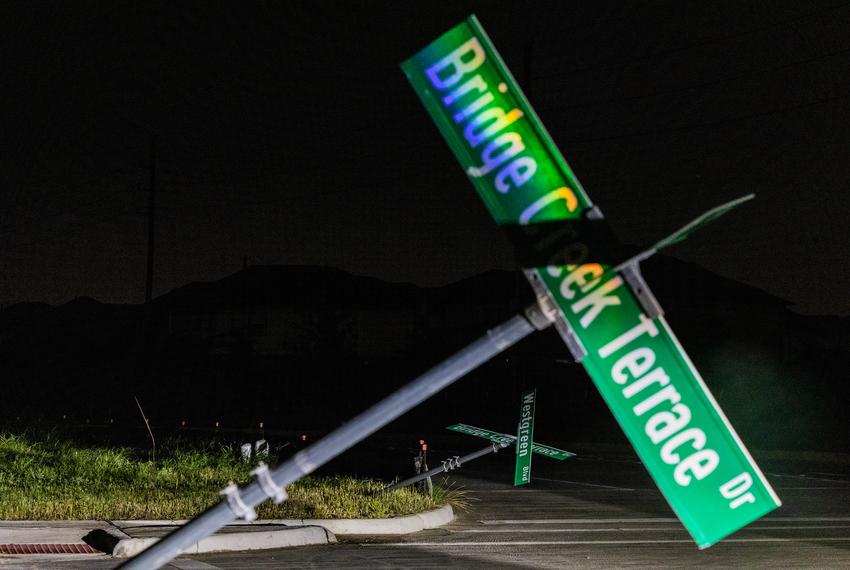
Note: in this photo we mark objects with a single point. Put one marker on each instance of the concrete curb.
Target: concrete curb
(438, 517)
(395, 525)
(235, 541)
(303, 532)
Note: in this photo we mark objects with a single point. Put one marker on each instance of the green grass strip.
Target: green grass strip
(49, 478)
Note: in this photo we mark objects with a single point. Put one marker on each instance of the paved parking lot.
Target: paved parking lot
(593, 511)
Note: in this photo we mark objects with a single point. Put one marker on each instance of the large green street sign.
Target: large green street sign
(525, 438)
(638, 365)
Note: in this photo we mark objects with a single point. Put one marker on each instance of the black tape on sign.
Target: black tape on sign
(567, 242)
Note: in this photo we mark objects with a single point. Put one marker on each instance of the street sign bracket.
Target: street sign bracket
(594, 213)
(631, 273)
(539, 317)
(552, 314)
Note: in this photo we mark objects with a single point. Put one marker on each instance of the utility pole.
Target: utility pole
(151, 221)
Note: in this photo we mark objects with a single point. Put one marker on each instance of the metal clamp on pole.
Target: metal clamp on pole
(451, 463)
(542, 314)
(545, 312)
(264, 478)
(236, 504)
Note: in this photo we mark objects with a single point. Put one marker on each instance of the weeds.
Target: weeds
(51, 478)
(458, 498)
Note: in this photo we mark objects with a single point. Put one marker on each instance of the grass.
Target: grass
(46, 477)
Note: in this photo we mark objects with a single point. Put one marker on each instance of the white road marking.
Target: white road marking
(536, 478)
(570, 529)
(189, 564)
(511, 490)
(813, 488)
(805, 519)
(648, 520)
(810, 478)
(580, 542)
(678, 528)
(576, 521)
(756, 526)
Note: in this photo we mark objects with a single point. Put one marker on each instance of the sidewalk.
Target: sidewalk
(128, 538)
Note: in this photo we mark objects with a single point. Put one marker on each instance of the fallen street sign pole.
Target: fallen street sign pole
(448, 465)
(606, 314)
(240, 503)
(499, 441)
(525, 438)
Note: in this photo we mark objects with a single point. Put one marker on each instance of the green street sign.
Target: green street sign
(607, 317)
(494, 436)
(525, 438)
(505, 439)
(551, 452)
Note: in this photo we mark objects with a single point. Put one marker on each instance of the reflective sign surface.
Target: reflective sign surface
(644, 375)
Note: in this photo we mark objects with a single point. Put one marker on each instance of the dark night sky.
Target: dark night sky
(287, 133)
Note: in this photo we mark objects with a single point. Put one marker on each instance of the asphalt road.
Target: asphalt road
(586, 512)
(594, 512)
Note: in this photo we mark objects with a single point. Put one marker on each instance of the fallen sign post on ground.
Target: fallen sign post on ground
(605, 313)
(448, 465)
(524, 440)
(522, 472)
(240, 503)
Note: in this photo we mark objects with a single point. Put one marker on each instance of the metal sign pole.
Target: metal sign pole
(448, 465)
(240, 503)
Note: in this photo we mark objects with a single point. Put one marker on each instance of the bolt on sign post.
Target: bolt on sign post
(525, 438)
(605, 314)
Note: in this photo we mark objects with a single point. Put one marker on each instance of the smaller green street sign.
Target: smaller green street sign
(493, 436)
(525, 438)
(505, 439)
(551, 452)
